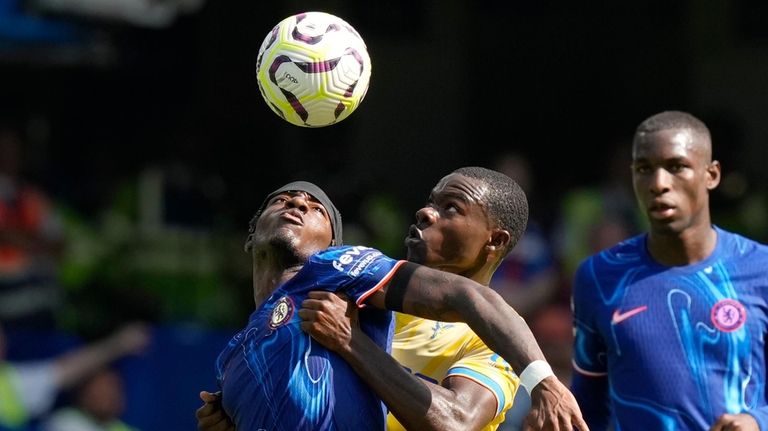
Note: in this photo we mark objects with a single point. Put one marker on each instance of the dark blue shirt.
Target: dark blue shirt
(274, 376)
(680, 346)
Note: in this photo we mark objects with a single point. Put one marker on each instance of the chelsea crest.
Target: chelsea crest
(282, 312)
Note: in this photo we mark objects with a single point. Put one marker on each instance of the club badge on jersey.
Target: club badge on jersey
(282, 312)
(728, 315)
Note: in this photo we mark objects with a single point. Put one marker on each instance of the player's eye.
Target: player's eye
(642, 169)
(451, 208)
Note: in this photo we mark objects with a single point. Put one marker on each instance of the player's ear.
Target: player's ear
(498, 241)
(248, 243)
(713, 175)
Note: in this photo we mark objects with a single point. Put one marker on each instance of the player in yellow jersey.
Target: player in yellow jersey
(440, 352)
(472, 219)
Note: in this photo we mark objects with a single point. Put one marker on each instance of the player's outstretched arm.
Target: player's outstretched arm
(417, 404)
(211, 416)
(438, 295)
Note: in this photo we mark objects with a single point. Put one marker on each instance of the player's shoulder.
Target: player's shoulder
(630, 251)
(344, 253)
(741, 246)
(351, 260)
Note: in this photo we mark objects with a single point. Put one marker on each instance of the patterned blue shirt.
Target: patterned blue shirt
(680, 346)
(274, 376)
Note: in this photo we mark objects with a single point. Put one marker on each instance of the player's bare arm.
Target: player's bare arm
(438, 295)
(446, 297)
(460, 404)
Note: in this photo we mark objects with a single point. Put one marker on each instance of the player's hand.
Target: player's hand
(553, 408)
(211, 417)
(329, 319)
(738, 422)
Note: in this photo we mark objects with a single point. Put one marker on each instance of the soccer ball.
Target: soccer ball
(313, 69)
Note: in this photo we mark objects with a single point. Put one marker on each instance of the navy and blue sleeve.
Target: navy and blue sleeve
(353, 270)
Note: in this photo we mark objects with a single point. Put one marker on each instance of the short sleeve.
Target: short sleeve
(354, 270)
(486, 368)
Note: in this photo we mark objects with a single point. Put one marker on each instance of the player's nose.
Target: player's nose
(425, 217)
(660, 182)
(298, 201)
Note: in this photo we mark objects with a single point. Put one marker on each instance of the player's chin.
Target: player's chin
(667, 226)
(416, 255)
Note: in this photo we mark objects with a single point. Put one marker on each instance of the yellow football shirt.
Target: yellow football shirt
(436, 350)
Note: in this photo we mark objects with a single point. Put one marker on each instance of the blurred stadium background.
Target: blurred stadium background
(142, 122)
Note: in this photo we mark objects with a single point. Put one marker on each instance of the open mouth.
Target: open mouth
(414, 236)
(293, 217)
(414, 232)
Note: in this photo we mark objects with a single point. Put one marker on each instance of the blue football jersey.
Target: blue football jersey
(680, 346)
(274, 376)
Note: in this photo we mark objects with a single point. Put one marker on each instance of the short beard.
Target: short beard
(284, 250)
(416, 257)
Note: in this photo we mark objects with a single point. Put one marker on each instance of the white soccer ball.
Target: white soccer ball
(313, 69)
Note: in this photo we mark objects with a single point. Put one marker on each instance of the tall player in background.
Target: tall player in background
(272, 375)
(671, 324)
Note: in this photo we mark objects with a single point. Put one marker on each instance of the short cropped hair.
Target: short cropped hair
(672, 120)
(505, 201)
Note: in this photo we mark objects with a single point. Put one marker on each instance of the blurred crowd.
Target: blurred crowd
(88, 301)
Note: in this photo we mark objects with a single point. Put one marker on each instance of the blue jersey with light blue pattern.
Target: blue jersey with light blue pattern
(274, 376)
(680, 345)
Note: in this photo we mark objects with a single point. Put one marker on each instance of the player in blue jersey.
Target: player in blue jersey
(671, 324)
(274, 376)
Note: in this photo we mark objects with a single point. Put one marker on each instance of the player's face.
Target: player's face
(452, 229)
(295, 220)
(672, 174)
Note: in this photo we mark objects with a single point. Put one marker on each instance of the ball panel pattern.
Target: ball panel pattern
(313, 69)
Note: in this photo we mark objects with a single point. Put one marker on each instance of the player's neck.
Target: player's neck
(479, 275)
(266, 281)
(271, 270)
(686, 248)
